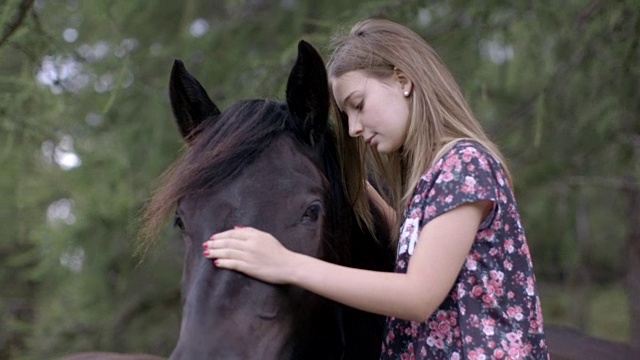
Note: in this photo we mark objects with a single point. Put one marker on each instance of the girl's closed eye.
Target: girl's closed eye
(360, 105)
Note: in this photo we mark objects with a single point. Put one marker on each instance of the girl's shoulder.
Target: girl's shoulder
(470, 147)
(466, 150)
(466, 161)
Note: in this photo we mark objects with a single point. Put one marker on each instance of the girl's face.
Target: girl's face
(377, 110)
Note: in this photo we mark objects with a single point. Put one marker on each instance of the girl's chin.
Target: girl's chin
(383, 148)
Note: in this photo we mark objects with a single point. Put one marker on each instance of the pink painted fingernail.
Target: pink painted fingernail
(215, 262)
(205, 245)
(206, 253)
(238, 227)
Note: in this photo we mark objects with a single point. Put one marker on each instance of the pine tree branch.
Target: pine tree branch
(16, 22)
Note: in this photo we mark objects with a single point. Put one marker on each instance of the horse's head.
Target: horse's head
(260, 163)
(273, 166)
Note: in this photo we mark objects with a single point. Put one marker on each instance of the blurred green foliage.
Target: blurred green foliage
(86, 129)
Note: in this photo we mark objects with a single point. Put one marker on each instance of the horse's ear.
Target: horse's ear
(308, 92)
(189, 101)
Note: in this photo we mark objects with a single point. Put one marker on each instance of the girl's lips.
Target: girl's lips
(368, 141)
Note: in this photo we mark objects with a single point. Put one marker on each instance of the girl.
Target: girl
(464, 285)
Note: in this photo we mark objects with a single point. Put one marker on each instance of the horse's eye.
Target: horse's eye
(312, 213)
(177, 222)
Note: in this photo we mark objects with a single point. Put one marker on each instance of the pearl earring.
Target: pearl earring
(406, 93)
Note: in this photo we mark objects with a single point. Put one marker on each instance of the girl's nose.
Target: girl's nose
(355, 127)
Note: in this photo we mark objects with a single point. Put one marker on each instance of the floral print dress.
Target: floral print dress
(493, 310)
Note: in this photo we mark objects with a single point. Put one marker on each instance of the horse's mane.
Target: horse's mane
(223, 146)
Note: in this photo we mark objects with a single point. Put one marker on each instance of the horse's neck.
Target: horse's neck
(322, 338)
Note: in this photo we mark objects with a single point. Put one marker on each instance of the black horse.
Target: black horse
(273, 166)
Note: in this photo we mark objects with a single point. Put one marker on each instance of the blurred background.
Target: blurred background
(86, 129)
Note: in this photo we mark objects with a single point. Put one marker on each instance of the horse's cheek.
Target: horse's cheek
(308, 241)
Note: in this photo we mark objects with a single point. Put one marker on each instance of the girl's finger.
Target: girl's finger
(227, 253)
(229, 234)
(231, 243)
(235, 233)
(229, 264)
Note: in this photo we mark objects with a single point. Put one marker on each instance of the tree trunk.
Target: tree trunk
(633, 261)
(633, 190)
(581, 277)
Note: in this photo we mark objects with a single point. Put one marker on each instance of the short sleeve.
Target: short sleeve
(466, 174)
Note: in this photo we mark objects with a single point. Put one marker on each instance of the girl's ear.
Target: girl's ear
(406, 86)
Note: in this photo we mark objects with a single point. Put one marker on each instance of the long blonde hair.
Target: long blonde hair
(439, 114)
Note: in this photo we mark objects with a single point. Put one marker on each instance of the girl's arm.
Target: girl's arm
(437, 259)
(386, 210)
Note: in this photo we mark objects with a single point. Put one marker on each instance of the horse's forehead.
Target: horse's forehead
(283, 169)
(270, 192)
(285, 159)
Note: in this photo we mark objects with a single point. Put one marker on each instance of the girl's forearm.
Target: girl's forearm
(388, 212)
(389, 294)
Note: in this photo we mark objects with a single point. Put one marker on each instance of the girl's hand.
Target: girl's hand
(250, 251)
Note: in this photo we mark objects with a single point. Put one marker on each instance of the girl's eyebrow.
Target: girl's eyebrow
(344, 102)
(347, 98)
